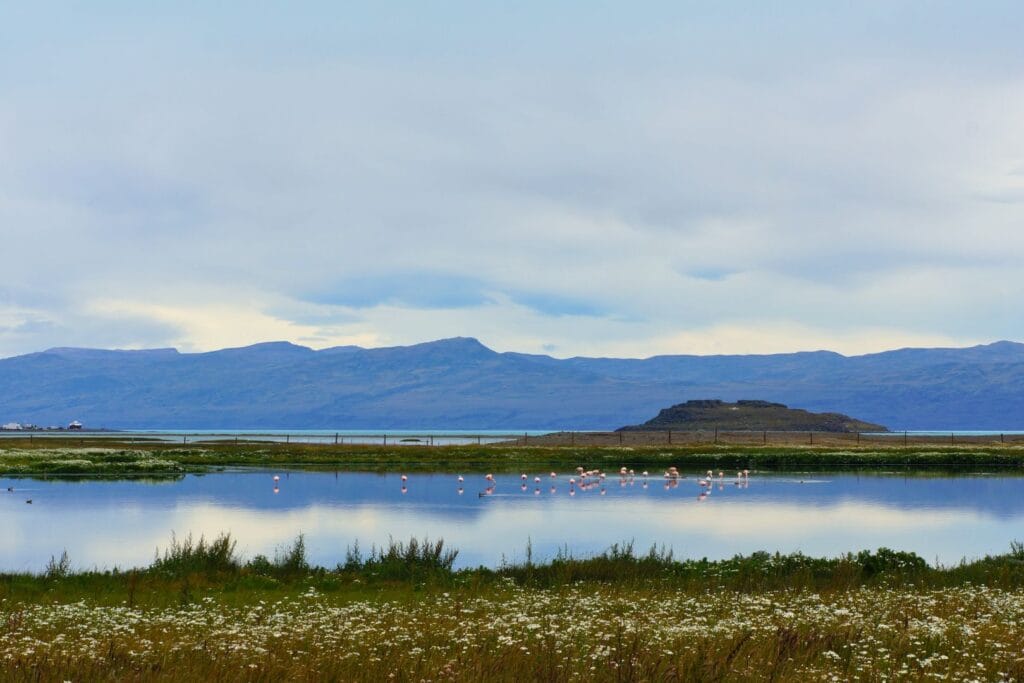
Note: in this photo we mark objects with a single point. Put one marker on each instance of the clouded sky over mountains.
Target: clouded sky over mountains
(591, 178)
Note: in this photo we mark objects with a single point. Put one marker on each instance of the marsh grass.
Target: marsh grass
(402, 612)
(186, 556)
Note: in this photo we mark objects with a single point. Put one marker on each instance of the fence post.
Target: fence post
(525, 437)
(670, 437)
(477, 439)
(184, 439)
(287, 438)
(904, 437)
(335, 438)
(620, 438)
(572, 438)
(1001, 439)
(858, 438)
(764, 438)
(951, 435)
(716, 434)
(811, 435)
(385, 439)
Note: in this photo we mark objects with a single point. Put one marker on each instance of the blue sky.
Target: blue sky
(587, 178)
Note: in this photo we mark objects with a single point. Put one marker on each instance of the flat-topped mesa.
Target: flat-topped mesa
(752, 415)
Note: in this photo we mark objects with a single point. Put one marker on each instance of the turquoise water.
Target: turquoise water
(105, 523)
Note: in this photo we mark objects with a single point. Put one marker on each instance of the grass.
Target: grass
(201, 612)
(170, 460)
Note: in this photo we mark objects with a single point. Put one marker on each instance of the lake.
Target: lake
(106, 523)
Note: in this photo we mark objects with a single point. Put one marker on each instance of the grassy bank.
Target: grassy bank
(114, 458)
(401, 613)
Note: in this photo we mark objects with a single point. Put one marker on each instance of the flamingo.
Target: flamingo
(405, 477)
(553, 475)
(277, 478)
(461, 479)
(536, 480)
(523, 476)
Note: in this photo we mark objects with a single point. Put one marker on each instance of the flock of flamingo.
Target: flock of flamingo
(585, 480)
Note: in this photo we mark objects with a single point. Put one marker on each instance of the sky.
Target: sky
(574, 178)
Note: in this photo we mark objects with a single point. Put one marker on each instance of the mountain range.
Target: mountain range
(459, 383)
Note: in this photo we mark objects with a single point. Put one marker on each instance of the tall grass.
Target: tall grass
(217, 563)
(399, 560)
(187, 556)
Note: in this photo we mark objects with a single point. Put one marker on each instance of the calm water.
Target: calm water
(106, 523)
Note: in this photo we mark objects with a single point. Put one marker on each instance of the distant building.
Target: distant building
(11, 427)
(75, 425)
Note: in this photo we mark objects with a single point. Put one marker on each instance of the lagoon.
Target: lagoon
(106, 523)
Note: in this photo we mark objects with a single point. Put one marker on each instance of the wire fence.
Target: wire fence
(626, 438)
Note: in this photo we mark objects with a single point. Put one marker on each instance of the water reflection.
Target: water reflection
(104, 523)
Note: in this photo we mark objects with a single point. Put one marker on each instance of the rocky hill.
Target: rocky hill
(750, 415)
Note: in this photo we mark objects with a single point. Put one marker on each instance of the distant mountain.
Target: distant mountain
(461, 384)
(707, 414)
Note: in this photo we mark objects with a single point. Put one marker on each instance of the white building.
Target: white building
(11, 427)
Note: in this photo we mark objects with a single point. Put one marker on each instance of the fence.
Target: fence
(563, 438)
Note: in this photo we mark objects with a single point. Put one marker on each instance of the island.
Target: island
(708, 414)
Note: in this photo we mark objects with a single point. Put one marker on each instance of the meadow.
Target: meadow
(200, 612)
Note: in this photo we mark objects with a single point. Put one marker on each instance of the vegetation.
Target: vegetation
(201, 612)
(164, 459)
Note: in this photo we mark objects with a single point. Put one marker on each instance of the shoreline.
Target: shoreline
(114, 457)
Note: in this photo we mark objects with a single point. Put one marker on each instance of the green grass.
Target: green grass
(201, 612)
(169, 460)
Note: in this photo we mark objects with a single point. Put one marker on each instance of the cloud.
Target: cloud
(633, 185)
